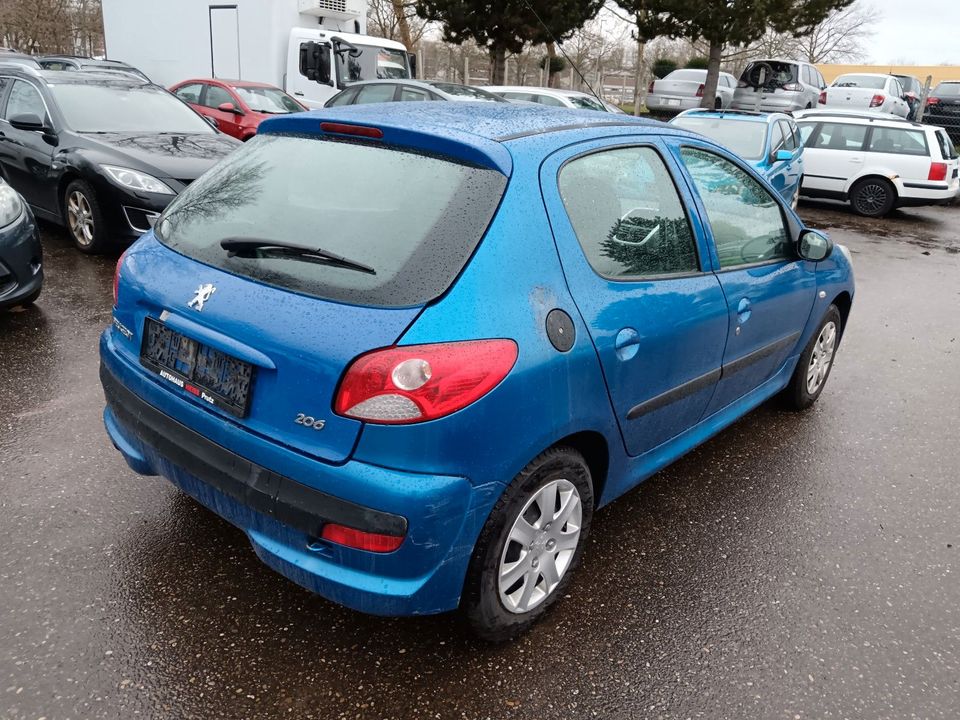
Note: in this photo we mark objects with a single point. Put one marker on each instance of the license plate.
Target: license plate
(205, 372)
(673, 102)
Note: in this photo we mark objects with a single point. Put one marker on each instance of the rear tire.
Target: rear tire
(84, 219)
(815, 363)
(524, 558)
(873, 197)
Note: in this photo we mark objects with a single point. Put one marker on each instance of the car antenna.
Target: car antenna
(563, 52)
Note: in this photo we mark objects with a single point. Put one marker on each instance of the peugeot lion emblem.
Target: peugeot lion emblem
(203, 294)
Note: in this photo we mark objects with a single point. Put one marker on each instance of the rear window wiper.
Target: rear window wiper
(249, 247)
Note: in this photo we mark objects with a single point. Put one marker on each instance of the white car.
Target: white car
(876, 162)
(548, 96)
(683, 90)
(867, 91)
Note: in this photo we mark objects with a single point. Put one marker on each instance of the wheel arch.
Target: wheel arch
(873, 176)
(68, 177)
(844, 303)
(593, 447)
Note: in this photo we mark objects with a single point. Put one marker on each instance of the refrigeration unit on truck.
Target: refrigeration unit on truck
(310, 48)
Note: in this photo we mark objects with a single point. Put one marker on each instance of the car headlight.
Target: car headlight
(11, 206)
(136, 180)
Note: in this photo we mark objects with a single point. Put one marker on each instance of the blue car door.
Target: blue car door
(769, 290)
(637, 264)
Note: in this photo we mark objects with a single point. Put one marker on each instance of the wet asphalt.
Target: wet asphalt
(796, 566)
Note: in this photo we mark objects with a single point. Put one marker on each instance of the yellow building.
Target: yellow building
(939, 73)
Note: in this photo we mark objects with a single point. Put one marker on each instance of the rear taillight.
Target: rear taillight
(360, 540)
(650, 87)
(415, 383)
(700, 90)
(793, 87)
(933, 101)
(116, 280)
(877, 101)
(823, 97)
(938, 172)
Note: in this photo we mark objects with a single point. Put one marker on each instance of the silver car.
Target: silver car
(778, 86)
(683, 90)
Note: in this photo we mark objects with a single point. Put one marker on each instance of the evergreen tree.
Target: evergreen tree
(504, 26)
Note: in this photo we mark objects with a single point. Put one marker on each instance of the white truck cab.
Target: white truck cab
(260, 40)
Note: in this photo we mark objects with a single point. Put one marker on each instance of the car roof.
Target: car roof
(864, 116)
(226, 82)
(866, 74)
(74, 77)
(750, 115)
(475, 131)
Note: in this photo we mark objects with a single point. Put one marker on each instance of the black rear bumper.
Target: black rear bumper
(289, 502)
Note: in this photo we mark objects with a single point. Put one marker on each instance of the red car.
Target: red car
(237, 106)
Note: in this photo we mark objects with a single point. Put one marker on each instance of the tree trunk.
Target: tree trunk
(498, 65)
(640, 76)
(402, 25)
(713, 75)
(551, 58)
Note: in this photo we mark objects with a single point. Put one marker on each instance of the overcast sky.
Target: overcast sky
(916, 32)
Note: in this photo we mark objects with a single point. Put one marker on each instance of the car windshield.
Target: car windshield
(414, 219)
(372, 63)
(268, 100)
(117, 68)
(869, 82)
(745, 137)
(950, 89)
(125, 108)
(466, 92)
(586, 103)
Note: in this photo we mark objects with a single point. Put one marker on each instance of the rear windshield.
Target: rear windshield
(861, 81)
(769, 73)
(695, 75)
(947, 90)
(413, 219)
(745, 137)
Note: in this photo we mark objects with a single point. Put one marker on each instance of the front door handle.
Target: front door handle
(298, 93)
(743, 310)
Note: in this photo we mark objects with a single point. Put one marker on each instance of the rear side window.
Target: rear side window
(375, 94)
(789, 139)
(898, 142)
(548, 100)
(947, 149)
(627, 214)
(840, 136)
(216, 96)
(413, 219)
(412, 94)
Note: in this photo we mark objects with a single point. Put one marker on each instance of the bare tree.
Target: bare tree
(52, 26)
(396, 20)
(841, 37)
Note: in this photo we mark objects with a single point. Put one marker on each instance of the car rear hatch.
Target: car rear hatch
(265, 278)
(853, 92)
(768, 77)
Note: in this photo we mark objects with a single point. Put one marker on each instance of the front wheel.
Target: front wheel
(529, 546)
(83, 217)
(815, 364)
(873, 197)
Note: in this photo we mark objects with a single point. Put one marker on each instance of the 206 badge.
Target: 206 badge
(203, 294)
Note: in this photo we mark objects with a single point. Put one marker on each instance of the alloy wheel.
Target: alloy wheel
(822, 357)
(80, 218)
(872, 198)
(540, 546)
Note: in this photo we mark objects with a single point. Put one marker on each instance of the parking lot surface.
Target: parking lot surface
(796, 566)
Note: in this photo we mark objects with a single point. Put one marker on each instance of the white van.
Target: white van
(876, 162)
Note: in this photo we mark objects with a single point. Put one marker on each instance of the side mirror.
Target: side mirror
(412, 60)
(782, 155)
(814, 246)
(315, 62)
(29, 122)
(229, 107)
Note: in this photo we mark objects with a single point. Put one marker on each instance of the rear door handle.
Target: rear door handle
(298, 93)
(857, 159)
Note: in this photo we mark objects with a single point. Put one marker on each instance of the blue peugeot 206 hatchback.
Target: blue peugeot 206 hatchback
(409, 349)
(770, 142)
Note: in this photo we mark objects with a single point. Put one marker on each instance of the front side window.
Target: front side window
(776, 137)
(789, 140)
(404, 222)
(217, 96)
(375, 94)
(372, 63)
(840, 136)
(25, 99)
(747, 223)
(627, 214)
(898, 142)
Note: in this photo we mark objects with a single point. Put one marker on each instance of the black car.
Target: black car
(943, 108)
(101, 154)
(21, 257)
(74, 62)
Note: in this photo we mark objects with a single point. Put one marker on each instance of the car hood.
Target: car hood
(183, 156)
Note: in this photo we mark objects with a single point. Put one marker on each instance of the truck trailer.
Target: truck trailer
(310, 48)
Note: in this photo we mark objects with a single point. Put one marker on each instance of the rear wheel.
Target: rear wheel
(83, 217)
(529, 546)
(815, 364)
(873, 197)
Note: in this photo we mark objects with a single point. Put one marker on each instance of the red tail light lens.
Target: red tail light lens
(357, 130)
(372, 542)
(116, 279)
(933, 101)
(938, 172)
(700, 90)
(650, 87)
(416, 383)
(877, 101)
(823, 98)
